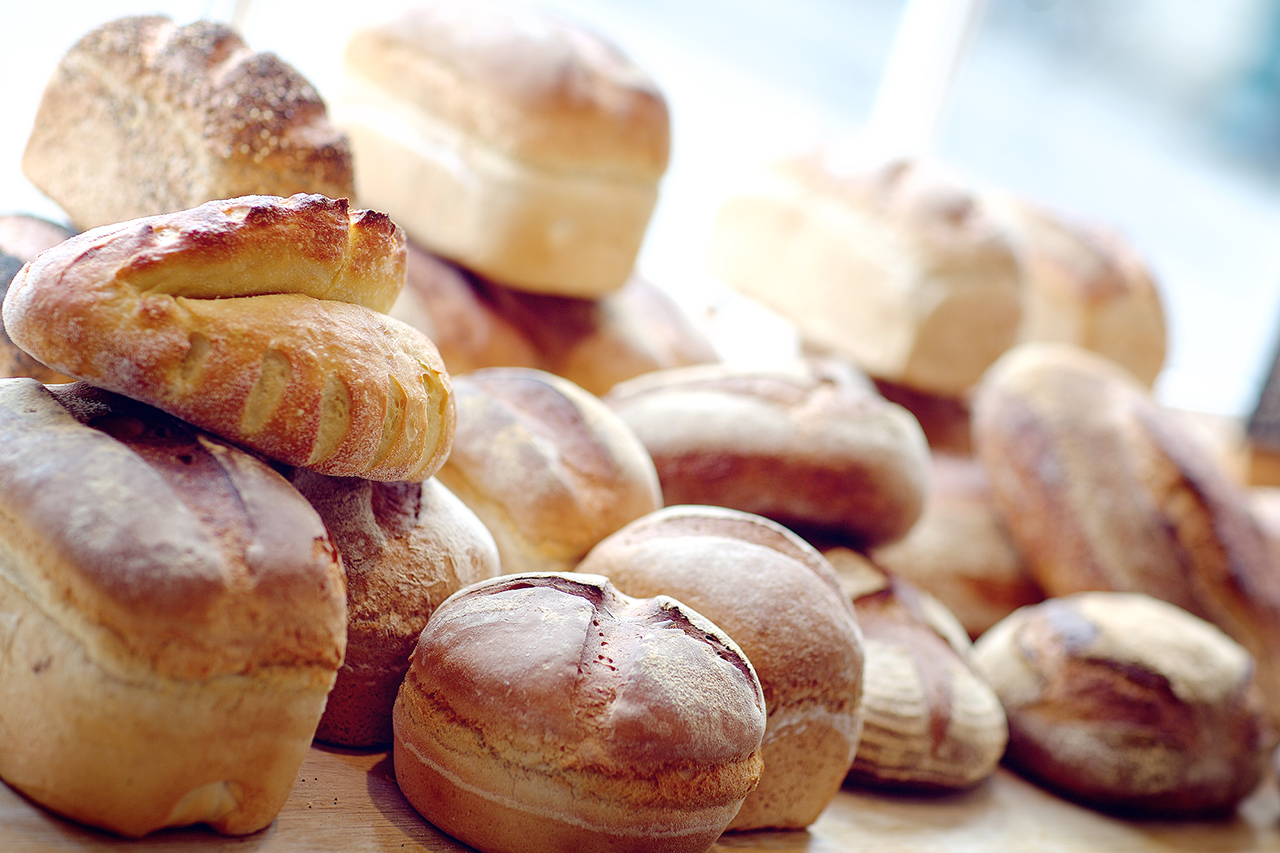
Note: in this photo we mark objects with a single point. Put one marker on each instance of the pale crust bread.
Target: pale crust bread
(552, 712)
(258, 319)
(780, 601)
(143, 116)
(520, 146)
(173, 615)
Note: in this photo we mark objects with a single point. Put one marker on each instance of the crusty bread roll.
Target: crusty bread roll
(172, 614)
(1084, 283)
(143, 116)
(548, 468)
(898, 266)
(522, 147)
(1128, 704)
(594, 343)
(248, 318)
(551, 712)
(781, 603)
(931, 722)
(405, 547)
(1101, 489)
(960, 551)
(814, 448)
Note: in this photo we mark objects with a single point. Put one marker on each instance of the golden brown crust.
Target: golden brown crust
(814, 449)
(143, 116)
(779, 600)
(405, 547)
(22, 237)
(549, 468)
(1128, 704)
(553, 706)
(1102, 490)
(229, 316)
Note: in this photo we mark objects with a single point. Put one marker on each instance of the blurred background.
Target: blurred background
(1159, 117)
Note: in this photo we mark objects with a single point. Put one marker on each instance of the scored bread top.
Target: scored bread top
(552, 94)
(143, 116)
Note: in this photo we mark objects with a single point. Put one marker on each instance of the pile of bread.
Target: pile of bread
(352, 422)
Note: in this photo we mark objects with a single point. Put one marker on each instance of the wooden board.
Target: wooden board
(349, 801)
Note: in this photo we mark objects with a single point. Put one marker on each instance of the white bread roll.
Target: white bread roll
(522, 147)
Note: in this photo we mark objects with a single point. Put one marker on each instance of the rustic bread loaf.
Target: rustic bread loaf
(1102, 489)
(143, 116)
(815, 449)
(549, 468)
(551, 712)
(781, 603)
(258, 319)
(931, 722)
(405, 547)
(896, 265)
(522, 147)
(172, 614)
(1128, 704)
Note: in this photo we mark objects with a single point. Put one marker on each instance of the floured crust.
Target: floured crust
(248, 318)
(545, 706)
(779, 600)
(549, 468)
(172, 609)
(143, 116)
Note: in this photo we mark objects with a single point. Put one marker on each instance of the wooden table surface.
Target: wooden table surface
(348, 801)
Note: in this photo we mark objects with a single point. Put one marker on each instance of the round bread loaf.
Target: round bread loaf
(1101, 489)
(172, 614)
(405, 548)
(1128, 704)
(548, 468)
(143, 116)
(524, 147)
(551, 712)
(258, 319)
(931, 722)
(960, 550)
(817, 450)
(780, 601)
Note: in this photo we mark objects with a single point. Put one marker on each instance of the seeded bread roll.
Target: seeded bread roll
(549, 468)
(551, 712)
(405, 548)
(143, 116)
(258, 319)
(781, 603)
(816, 449)
(172, 611)
(522, 147)
(1102, 489)
(1129, 704)
(896, 265)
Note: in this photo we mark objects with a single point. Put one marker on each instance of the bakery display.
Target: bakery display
(960, 551)
(814, 448)
(405, 548)
(172, 614)
(548, 467)
(259, 319)
(779, 600)
(551, 712)
(1102, 489)
(897, 265)
(1129, 704)
(932, 724)
(523, 147)
(143, 116)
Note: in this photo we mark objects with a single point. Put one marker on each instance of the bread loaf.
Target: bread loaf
(551, 712)
(172, 611)
(522, 147)
(143, 116)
